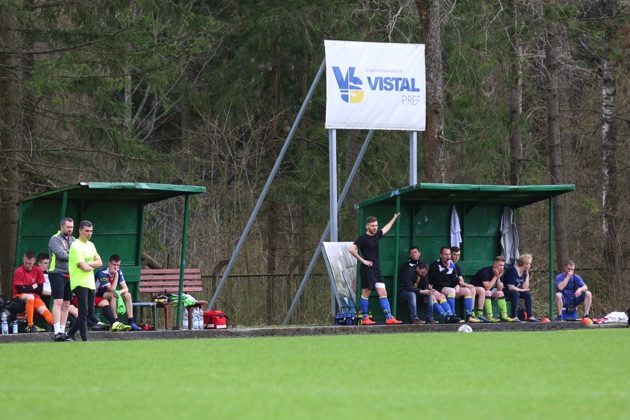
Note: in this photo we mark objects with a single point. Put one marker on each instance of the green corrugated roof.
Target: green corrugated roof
(471, 194)
(139, 191)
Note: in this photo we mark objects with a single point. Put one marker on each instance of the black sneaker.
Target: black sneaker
(67, 337)
(59, 337)
(453, 319)
(32, 329)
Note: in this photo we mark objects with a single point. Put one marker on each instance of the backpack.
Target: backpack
(215, 319)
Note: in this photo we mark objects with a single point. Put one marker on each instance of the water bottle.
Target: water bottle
(201, 323)
(185, 319)
(15, 327)
(5, 325)
(197, 320)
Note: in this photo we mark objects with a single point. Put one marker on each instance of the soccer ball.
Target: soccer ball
(587, 322)
(465, 329)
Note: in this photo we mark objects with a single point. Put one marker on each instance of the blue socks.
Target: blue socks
(468, 305)
(384, 303)
(451, 302)
(364, 306)
(439, 309)
(447, 308)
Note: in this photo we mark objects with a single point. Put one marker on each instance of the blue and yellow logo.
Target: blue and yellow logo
(349, 85)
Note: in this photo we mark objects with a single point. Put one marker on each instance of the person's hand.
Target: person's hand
(397, 216)
(578, 292)
(35, 286)
(367, 263)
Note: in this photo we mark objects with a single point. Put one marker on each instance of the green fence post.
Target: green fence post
(182, 265)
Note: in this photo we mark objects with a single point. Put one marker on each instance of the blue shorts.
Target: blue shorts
(571, 300)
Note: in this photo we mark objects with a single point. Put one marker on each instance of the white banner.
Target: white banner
(376, 86)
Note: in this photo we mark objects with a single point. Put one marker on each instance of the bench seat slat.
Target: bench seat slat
(154, 283)
(170, 290)
(162, 278)
(161, 271)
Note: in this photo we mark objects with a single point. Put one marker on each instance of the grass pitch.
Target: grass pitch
(576, 374)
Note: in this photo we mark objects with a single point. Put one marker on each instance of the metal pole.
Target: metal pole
(332, 191)
(413, 158)
(318, 249)
(332, 176)
(182, 266)
(265, 190)
(551, 258)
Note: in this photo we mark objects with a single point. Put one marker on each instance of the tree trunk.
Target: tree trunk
(433, 153)
(612, 247)
(554, 138)
(10, 128)
(515, 98)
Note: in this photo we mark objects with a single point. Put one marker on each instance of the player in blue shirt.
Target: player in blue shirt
(572, 291)
(516, 279)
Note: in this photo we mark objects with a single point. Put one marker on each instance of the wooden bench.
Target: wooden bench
(154, 281)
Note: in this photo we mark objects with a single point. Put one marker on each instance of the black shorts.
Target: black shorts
(60, 286)
(370, 276)
(100, 292)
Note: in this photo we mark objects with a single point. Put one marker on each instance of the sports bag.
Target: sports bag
(215, 319)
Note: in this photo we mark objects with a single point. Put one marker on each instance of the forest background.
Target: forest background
(204, 93)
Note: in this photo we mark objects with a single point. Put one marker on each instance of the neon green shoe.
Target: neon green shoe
(119, 326)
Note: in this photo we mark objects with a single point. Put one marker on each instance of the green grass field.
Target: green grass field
(576, 374)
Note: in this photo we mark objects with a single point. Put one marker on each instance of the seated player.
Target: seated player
(43, 260)
(489, 280)
(436, 299)
(464, 290)
(572, 291)
(517, 282)
(444, 277)
(407, 286)
(28, 283)
(108, 280)
(93, 322)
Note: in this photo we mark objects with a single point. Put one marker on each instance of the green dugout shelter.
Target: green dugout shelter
(425, 222)
(115, 208)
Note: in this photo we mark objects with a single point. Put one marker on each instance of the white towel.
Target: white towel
(456, 230)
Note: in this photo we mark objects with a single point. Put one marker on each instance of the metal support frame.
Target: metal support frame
(332, 183)
(413, 158)
(265, 190)
(332, 178)
(318, 249)
(182, 265)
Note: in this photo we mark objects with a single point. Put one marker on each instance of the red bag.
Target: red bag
(215, 319)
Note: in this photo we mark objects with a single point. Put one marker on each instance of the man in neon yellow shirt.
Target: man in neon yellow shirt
(82, 261)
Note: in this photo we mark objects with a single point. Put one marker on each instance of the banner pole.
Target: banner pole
(413, 158)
